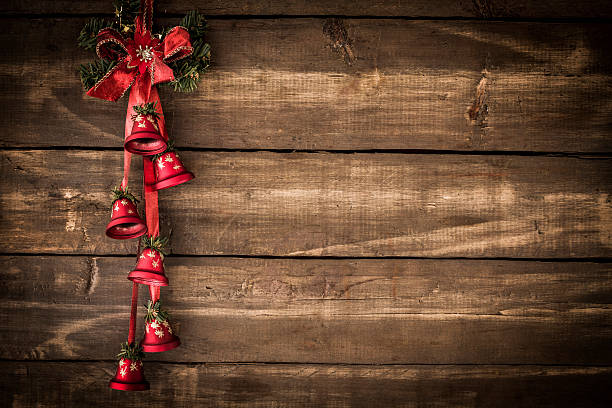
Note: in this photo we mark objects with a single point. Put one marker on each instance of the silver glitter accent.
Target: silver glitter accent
(144, 54)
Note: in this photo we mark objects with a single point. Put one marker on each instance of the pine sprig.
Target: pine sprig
(187, 71)
(169, 148)
(118, 194)
(155, 312)
(125, 12)
(130, 351)
(195, 23)
(145, 109)
(92, 72)
(156, 243)
(87, 38)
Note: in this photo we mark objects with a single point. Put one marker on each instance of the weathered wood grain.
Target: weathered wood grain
(298, 84)
(310, 286)
(317, 204)
(332, 311)
(416, 8)
(24, 384)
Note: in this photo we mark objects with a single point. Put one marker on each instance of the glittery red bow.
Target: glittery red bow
(141, 60)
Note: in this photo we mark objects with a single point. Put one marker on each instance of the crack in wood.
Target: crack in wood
(92, 275)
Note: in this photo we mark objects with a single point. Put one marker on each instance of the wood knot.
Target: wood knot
(477, 112)
(340, 41)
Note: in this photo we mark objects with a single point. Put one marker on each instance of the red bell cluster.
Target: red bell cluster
(140, 64)
(146, 140)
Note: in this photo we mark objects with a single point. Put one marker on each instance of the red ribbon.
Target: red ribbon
(133, 313)
(141, 61)
(141, 65)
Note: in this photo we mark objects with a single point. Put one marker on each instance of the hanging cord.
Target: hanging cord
(133, 313)
(134, 309)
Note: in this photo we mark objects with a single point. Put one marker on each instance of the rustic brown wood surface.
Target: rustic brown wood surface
(344, 311)
(397, 204)
(302, 84)
(318, 204)
(415, 8)
(301, 385)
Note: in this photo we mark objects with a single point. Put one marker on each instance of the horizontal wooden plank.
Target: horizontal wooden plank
(312, 286)
(417, 8)
(331, 311)
(317, 204)
(298, 84)
(27, 384)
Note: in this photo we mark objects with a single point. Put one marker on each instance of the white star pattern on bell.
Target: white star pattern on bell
(116, 206)
(145, 54)
(142, 256)
(160, 164)
(124, 201)
(176, 167)
(154, 324)
(141, 124)
(151, 254)
(138, 118)
(123, 371)
(133, 366)
(155, 263)
(168, 158)
(159, 333)
(121, 362)
(130, 212)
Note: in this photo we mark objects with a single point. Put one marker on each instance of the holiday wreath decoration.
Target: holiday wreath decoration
(135, 58)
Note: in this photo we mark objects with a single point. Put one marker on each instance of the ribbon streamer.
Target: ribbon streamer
(141, 65)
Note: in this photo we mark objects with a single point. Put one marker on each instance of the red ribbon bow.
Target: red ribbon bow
(141, 60)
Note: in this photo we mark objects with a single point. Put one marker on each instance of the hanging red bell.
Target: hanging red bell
(149, 269)
(125, 222)
(145, 138)
(169, 171)
(129, 377)
(158, 331)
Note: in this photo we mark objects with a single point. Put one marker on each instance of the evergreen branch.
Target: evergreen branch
(130, 351)
(145, 109)
(156, 243)
(187, 71)
(169, 148)
(93, 72)
(87, 38)
(155, 312)
(125, 12)
(118, 194)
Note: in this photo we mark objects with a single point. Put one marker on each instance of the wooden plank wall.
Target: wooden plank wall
(396, 204)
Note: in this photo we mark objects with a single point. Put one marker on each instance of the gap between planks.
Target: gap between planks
(314, 364)
(523, 153)
(600, 260)
(209, 16)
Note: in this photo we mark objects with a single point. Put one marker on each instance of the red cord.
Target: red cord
(133, 313)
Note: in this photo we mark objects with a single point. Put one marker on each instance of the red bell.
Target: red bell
(125, 222)
(145, 138)
(129, 377)
(158, 331)
(169, 171)
(149, 269)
